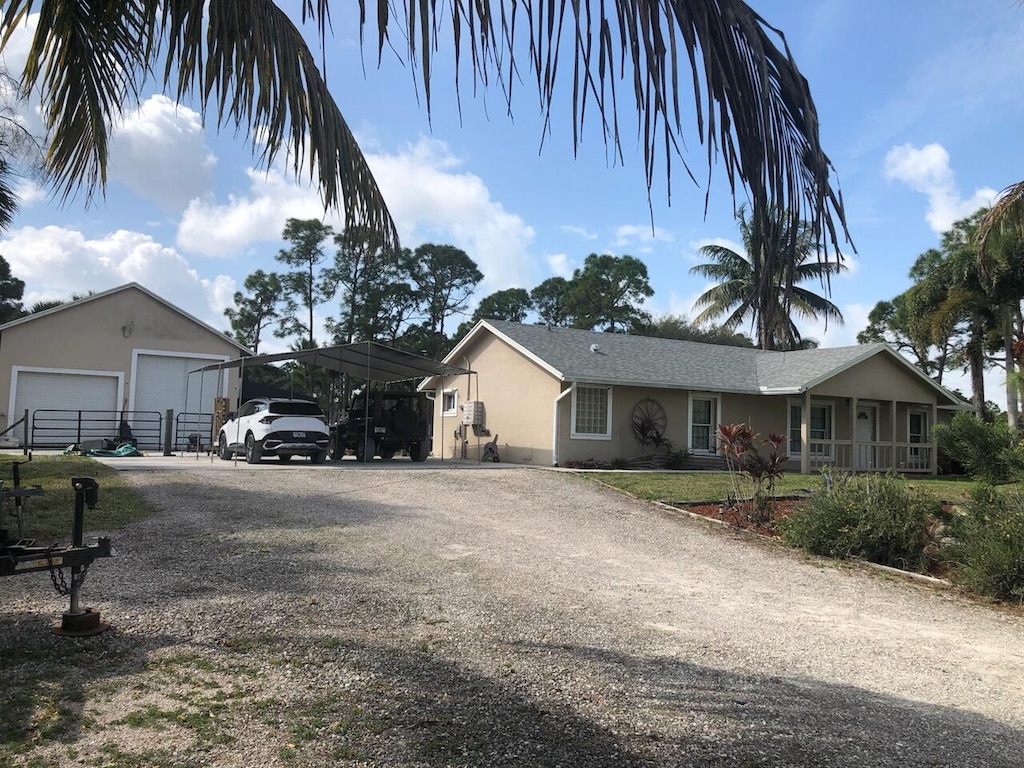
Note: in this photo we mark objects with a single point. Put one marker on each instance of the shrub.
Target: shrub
(879, 518)
(987, 450)
(989, 543)
(739, 444)
(677, 458)
(589, 464)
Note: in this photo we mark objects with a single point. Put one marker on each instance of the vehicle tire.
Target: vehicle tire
(253, 452)
(366, 449)
(387, 455)
(336, 451)
(223, 451)
(319, 457)
(418, 451)
(284, 458)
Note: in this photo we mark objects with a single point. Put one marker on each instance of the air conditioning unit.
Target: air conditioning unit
(473, 413)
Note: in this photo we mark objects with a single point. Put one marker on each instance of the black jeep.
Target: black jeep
(390, 422)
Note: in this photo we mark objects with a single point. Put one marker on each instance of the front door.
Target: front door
(867, 434)
(917, 432)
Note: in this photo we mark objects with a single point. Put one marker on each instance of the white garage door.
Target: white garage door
(67, 408)
(163, 382)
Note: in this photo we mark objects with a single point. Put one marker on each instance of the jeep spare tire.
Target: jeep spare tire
(404, 422)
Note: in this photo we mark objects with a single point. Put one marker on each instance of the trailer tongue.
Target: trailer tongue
(21, 555)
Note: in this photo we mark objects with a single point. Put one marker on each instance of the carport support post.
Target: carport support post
(168, 430)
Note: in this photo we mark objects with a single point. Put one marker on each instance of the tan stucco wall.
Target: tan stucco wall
(623, 444)
(89, 337)
(518, 397)
(878, 378)
(760, 413)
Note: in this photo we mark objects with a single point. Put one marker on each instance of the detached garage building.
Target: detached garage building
(123, 355)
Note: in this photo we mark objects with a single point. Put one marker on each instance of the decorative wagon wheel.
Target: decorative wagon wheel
(649, 422)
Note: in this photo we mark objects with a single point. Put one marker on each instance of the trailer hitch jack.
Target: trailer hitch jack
(78, 621)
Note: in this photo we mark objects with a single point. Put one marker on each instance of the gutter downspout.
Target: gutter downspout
(554, 431)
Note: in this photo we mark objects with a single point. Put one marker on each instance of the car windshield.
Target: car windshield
(299, 408)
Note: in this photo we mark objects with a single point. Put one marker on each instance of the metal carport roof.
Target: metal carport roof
(367, 359)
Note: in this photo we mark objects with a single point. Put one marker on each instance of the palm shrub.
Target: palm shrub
(989, 451)
(880, 518)
(989, 543)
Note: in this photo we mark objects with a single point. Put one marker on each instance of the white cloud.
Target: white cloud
(582, 232)
(431, 202)
(29, 192)
(57, 262)
(927, 170)
(852, 265)
(628, 235)
(159, 151)
(230, 228)
(17, 47)
(560, 264)
(428, 200)
(835, 335)
(682, 305)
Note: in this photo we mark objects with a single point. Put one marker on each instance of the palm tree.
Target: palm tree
(20, 152)
(999, 244)
(246, 62)
(763, 285)
(1005, 218)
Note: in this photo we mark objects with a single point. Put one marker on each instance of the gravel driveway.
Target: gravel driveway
(502, 617)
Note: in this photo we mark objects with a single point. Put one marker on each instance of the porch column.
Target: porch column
(933, 416)
(892, 428)
(854, 464)
(805, 435)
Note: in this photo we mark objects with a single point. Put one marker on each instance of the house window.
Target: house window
(450, 402)
(822, 419)
(703, 412)
(592, 413)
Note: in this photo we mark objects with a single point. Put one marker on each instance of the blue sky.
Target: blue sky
(920, 103)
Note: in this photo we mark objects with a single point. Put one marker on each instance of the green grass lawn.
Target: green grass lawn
(48, 518)
(716, 486)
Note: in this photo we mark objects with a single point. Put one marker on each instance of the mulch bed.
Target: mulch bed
(742, 514)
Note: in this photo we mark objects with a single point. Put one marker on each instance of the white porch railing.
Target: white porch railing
(874, 456)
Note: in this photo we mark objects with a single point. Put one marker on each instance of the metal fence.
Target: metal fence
(61, 428)
(192, 431)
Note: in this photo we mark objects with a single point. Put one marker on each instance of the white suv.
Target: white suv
(272, 426)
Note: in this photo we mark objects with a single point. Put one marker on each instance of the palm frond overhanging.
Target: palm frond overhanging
(247, 62)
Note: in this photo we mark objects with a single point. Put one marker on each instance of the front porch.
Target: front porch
(863, 435)
(872, 456)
